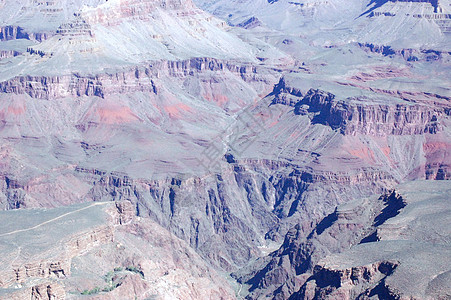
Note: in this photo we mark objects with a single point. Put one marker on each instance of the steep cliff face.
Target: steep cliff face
(139, 79)
(310, 266)
(286, 269)
(360, 115)
(411, 55)
(8, 33)
(363, 276)
(172, 114)
(234, 211)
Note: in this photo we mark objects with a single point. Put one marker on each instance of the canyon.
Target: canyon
(225, 149)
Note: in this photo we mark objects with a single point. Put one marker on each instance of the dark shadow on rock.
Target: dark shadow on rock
(374, 4)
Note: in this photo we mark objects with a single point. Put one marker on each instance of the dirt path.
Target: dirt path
(54, 219)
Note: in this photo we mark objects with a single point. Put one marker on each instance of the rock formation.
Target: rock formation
(113, 236)
(150, 148)
(338, 258)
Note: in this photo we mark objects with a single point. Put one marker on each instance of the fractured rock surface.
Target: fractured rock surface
(235, 143)
(395, 247)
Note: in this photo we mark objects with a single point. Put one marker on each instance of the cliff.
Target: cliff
(362, 115)
(363, 250)
(139, 79)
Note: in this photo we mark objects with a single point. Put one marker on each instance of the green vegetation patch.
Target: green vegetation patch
(135, 270)
(108, 277)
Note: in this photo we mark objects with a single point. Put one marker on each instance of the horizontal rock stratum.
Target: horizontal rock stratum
(154, 149)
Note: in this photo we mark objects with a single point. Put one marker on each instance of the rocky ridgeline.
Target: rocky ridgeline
(138, 79)
(78, 27)
(410, 55)
(325, 282)
(16, 32)
(436, 6)
(136, 9)
(361, 115)
(443, 20)
(360, 118)
(59, 267)
(44, 291)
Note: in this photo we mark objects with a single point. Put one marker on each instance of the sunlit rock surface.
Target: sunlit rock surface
(100, 249)
(231, 133)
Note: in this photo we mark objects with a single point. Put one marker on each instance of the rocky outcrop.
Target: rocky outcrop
(437, 171)
(57, 269)
(78, 27)
(126, 212)
(321, 265)
(12, 33)
(85, 241)
(286, 94)
(134, 9)
(360, 115)
(16, 32)
(44, 291)
(52, 291)
(140, 79)
(329, 283)
(289, 268)
(408, 54)
(436, 12)
(250, 23)
(9, 53)
(14, 192)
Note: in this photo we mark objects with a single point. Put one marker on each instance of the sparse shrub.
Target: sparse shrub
(94, 291)
(109, 288)
(109, 276)
(135, 270)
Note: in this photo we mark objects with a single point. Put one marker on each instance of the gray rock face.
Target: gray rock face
(408, 54)
(139, 79)
(243, 149)
(363, 250)
(246, 201)
(360, 116)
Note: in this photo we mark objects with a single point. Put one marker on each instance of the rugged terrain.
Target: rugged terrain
(248, 142)
(99, 249)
